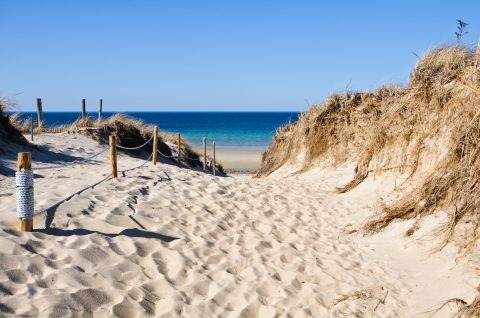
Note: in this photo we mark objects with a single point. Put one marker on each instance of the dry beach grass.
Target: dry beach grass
(429, 130)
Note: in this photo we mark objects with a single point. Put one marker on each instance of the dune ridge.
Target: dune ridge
(427, 131)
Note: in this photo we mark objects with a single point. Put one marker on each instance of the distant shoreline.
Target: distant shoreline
(237, 160)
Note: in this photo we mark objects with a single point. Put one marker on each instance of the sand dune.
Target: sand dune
(165, 241)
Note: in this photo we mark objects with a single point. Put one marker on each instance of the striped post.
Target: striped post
(24, 192)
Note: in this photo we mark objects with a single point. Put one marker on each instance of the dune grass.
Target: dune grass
(428, 130)
(8, 131)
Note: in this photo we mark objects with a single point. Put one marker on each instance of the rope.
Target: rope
(165, 156)
(134, 148)
(72, 195)
(24, 183)
(146, 161)
(86, 188)
(72, 163)
(24, 192)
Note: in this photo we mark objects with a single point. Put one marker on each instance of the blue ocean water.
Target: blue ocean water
(239, 130)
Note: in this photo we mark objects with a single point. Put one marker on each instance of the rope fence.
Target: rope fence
(24, 177)
(135, 148)
(74, 162)
(56, 204)
(166, 156)
(144, 163)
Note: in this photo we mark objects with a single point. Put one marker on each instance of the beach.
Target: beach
(238, 160)
(166, 241)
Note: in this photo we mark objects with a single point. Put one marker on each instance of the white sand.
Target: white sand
(162, 240)
(237, 158)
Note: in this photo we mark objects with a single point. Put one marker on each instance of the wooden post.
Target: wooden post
(179, 143)
(113, 155)
(155, 145)
(24, 161)
(100, 115)
(214, 168)
(84, 111)
(31, 127)
(39, 113)
(204, 154)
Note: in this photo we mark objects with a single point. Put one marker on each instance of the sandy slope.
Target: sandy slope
(168, 241)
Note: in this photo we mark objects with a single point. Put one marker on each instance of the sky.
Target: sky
(214, 55)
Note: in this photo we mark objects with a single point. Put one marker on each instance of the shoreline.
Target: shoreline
(237, 161)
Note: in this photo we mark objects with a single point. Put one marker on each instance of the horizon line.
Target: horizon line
(162, 111)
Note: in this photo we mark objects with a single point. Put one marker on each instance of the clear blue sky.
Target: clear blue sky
(214, 55)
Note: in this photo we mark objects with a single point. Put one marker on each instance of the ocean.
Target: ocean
(235, 130)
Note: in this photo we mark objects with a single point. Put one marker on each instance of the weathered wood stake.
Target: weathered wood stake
(179, 143)
(204, 154)
(100, 110)
(113, 155)
(84, 111)
(155, 145)
(31, 127)
(39, 113)
(24, 161)
(214, 167)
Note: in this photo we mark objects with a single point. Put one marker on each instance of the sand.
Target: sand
(238, 159)
(162, 241)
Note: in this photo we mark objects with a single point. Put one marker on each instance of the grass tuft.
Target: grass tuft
(8, 131)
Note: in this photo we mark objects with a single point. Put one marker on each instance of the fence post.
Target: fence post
(31, 127)
(155, 144)
(179, 142)
(84, 112)
(39, 113)
(100, 115)
(214, 158)
(113, 155)
(204, 154)
(24, 161)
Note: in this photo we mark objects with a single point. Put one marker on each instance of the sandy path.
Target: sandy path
(164, 240)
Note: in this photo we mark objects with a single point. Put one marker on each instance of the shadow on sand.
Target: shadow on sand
(131, 232)
(40, 154)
